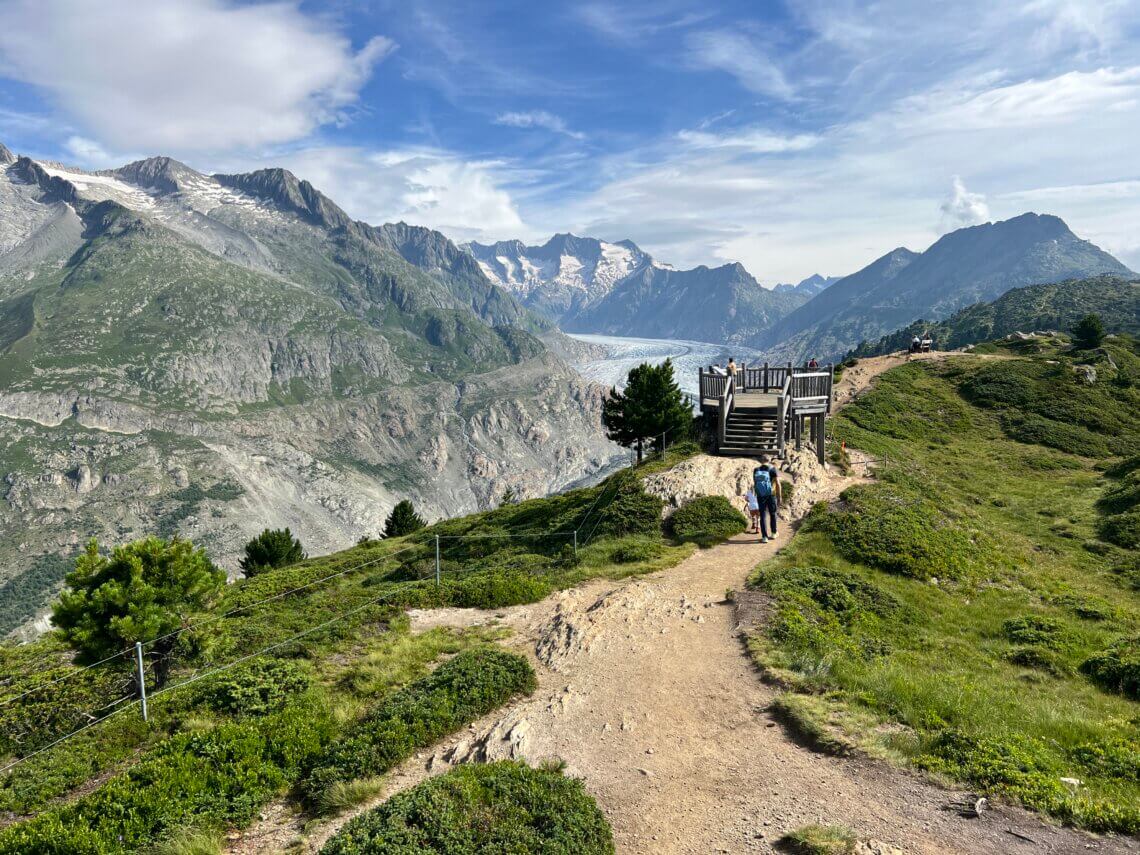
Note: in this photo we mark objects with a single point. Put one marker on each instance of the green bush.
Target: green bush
(1072, 439)
(263, 687)
(882, 526)
(218, 776)
(501, 807)
(1036, 631)
(1121, 529)
(1117, 669)
(631, 511)
(820, 840)
(1039, 659)
(455, 694)
(706, 520)
(634, 551)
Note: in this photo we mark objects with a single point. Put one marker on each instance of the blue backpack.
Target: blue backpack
(763, 483)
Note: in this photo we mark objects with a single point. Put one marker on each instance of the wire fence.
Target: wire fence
(137, 700)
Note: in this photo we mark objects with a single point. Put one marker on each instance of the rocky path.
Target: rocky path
(646, 692)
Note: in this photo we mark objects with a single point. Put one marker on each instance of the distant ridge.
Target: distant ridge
(1053, 306)
(978, 263)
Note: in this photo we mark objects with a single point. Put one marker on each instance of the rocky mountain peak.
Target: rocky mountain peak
(161, 173)
(289, 193)
(6, 156)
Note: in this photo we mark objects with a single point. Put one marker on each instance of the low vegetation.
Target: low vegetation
(819, 840)
(494, 807)
(706, 520)
(271, 549)
(455, 694)
(344, 691)
(970, 612)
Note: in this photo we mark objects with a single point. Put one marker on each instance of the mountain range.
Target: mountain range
(214, 354)
(967, 266)
(592, 286)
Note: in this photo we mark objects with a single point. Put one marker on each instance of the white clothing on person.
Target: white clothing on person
(753, 502)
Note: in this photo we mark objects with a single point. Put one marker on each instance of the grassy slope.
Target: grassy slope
(355, 662)
(976, 530)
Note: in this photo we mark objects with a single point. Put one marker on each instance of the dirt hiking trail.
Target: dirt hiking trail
(647, 693)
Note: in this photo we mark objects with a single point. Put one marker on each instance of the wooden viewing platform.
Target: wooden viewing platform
(762, 408)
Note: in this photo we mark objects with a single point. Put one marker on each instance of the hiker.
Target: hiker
(718, 371)
(753, 510)
(766, 481)
(813, 364)
(731, 367)
(915, 344)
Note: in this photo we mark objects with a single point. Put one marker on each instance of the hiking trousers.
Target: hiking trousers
(767, 512)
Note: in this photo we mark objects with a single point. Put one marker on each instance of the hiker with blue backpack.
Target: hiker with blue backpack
(766, 486)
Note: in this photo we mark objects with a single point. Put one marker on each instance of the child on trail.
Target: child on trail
(753, 510)
(766, 482)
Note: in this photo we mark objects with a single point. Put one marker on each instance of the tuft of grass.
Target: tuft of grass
(820, 840)
(342, 795)
(191, 841)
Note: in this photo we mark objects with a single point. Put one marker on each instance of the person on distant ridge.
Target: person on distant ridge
(766, 482)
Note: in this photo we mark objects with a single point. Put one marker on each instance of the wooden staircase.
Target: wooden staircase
(751, 432)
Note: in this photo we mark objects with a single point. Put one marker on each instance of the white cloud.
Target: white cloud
(963, 208)
(91, 155)
(186, 75)
(426, 187)
(742, 57)
(538, 119)
(755, 140)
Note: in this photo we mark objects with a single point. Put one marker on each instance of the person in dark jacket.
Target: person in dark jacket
(766, 484)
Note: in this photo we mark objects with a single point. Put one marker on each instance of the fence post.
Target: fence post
(142, 679)
(663, 444)
(575, 542)
(437, 560)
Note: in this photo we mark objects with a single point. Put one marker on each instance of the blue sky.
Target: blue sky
(799, 137)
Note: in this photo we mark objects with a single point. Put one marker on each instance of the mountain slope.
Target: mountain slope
(1056, 306)
(963, 267)
(720, 304)
(809, 287)
(212, 355)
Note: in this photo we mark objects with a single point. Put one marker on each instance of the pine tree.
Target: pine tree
(1089, 332)
(142, 591)
(403, 520)
(651, 405)
(272, 548)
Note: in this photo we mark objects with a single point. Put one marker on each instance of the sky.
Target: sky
(801, 137)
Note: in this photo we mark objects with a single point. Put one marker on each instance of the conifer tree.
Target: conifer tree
(272, 548)
(1089, 332)
(142, 592)
(652, 404)
(403, 520)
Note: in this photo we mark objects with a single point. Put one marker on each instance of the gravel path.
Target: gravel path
(646, 692)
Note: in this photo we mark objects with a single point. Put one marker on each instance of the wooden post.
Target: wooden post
(765, 378)
(437, 560)
(821, 442)
(798, 423)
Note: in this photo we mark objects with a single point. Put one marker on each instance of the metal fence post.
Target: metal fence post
(437, 560)
(575, 542)
(142, 679)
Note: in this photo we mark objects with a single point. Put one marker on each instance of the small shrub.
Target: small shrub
(1121, 529)
(455, 694)
(257, 689)
(1037, 631)
(634, 551)
(631, 511)
(494, 807)
(706, 520)
(1039, 659)
(1117, 669)
(820, 840)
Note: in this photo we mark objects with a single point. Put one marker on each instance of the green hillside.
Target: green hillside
(320, 716)
(1038, 307)
(974, 611)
